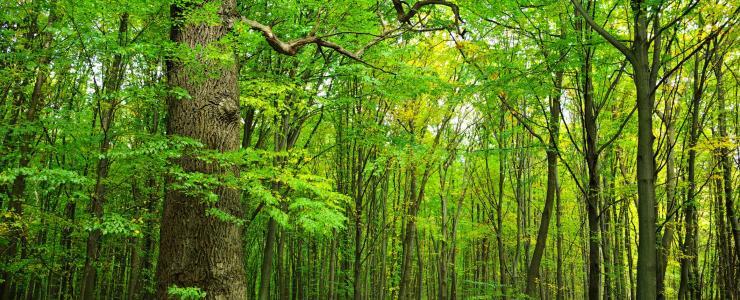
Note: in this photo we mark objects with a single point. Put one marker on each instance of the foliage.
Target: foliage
(383, 154)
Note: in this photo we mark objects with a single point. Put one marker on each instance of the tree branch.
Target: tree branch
(619, 131)
(291, 48)
(405, 16)
(606, 35)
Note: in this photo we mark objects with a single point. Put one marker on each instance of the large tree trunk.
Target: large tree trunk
(198, 250)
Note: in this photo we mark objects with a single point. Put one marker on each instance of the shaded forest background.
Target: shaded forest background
(422, 149)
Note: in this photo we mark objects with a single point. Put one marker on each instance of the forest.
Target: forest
(369, 149)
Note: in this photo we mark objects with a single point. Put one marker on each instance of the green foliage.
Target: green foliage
(186, 293)
(115, 224)
(432, 128)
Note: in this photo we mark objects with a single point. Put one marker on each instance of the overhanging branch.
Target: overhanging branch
(405, 16)
(291, 48)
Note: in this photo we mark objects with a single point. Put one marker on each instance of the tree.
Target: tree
(646, 67)
(197, 249)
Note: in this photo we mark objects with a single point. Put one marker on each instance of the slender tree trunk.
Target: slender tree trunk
(559, 247)
(268, 254)
(618, 255)
(408, 240)
(499, 212)
(645, 82)
(453, 251)
(690, 287)
(552, 186)
(605, 212)
(420, 269)
(667, 238)
(135, 262)
(332, 267)
(66, 241)
(9, 288)
(107, 109)
(725, 160)
(592, 159)
(593, 187)
(358, 191)
(281, 267)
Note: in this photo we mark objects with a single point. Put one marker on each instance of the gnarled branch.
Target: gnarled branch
(405, 16)
(291, 48)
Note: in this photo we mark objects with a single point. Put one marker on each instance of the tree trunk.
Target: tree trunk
(552, 186)
(593, 189)
(605, 212)
(725, 153)
(689, 277)
(268, 254)
(453, 251)
(408, 248)
(499, 212)
(133, 282)
(409, 238)
(8, 287)
(198, 250)
(559, 248)
(667, 238)
(645, 82)
(107, 109)
(281, 267)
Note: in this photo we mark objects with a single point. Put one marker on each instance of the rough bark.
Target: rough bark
(198, 250)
